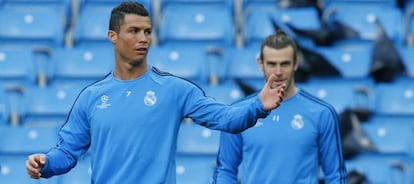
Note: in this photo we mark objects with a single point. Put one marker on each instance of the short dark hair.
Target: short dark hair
(278, 41)
(126, 7)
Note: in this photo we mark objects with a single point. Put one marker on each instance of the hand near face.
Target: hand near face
(34, 165)
(271, 98)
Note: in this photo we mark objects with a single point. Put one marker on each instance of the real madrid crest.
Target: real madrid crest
(150, 99)
(297, 122)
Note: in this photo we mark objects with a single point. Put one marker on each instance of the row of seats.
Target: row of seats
(195, 21)
(41, 108)
(35, 106)
(197, 146)
(199, 28)
(195, 161)
(81, 66)
(75, 68)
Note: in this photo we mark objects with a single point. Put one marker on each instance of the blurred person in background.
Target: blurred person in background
(294, 142)
(129, 120)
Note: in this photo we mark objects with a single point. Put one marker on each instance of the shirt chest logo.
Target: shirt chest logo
(104, 102)
(297, 122)
(150, 99)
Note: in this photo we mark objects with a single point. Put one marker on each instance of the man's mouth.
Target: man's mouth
(141, 50)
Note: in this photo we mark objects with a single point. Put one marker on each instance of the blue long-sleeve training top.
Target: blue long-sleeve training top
(291, 145)
(131, 127)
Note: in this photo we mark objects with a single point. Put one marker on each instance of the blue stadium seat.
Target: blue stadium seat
(86, 4)
(91, 28)
(47, 106)
(17, 67)
(225, 5)
(225, 92)
(351, 62)
(92, 25)
(47, 29)
(4, 108)
(380, 168)
(407, 55)
(27, 140)
(391, 134)
(13, 171)
(80, 174)
(395, 98)
(374, 2)
(342, 94)
(295, 17)
(63, 7)
(192, 169)
(408, 11)
(210, 3)
(362, 17)
(258, 5)
(196, 26)
(178, 61)
(243, 66)
(257, 26)
(196, 139)
(292, 18)
(79, 66)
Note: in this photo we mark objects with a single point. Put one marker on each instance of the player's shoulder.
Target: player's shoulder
(315, 101)
(161, 75)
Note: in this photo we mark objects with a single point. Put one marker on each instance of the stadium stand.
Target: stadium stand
(14, 172)
(407, 55)
(342, 94)
(384, 130)
(395, 98)
(92, 23)
(196, 168)
(17, 67)
(85, 4)
(91, 28)
(377, 2)
(4, 108)
(51, 49)
(225, 92)
(408, 11)
(47, 29)
(195, 139)
(256, 26)
(197, 147)
(80, 174)
(351, 62)
(363, 17)
(177, 61)
(227, 4)
(243, 67)
(380, 168)
(63, 7)
(253, 5)
(196, 26)
(47, 107)
(79, 66)
(17, 143)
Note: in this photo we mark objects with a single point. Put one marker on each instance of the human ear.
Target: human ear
(112, 36)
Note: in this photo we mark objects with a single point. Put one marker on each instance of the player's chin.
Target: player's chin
(277, 84)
